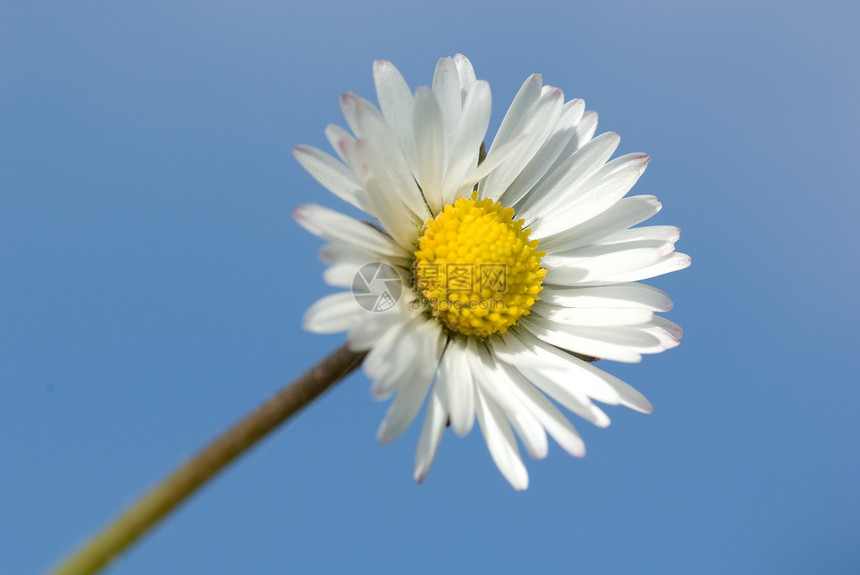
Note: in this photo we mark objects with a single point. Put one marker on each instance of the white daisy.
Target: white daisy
(519, 265)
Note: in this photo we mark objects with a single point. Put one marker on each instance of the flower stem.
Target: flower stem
(161, 500)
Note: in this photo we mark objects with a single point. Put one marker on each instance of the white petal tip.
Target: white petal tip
(602, 422)
(642, 406)
(299, 212)
(423, 91)
(383, 438)
(643, 160)
(614, 136)
(482, 85)
(300, 151)
(419, 475)
(538, 455)
(576, 450)
(356, 347)
(377, 395)
(348, 99)
(461, 429)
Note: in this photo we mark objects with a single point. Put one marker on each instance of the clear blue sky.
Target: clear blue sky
(153, 283)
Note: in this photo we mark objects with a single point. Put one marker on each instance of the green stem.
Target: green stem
(177, 487)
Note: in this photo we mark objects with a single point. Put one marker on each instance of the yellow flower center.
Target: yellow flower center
(476, 269)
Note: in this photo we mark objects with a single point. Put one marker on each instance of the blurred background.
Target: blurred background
(153, 283)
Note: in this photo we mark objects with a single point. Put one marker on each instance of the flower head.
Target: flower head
(518, 266)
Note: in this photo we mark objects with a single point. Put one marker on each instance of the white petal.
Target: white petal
(344, 263)
(517, 114)
(390, 359)
(538, 126)
(583, 133)
(495, 383)
(429, 147)
(333, 313)
(336, 177)
(573, 388)
(626, 213)
(492, 162)
(345, 148)
(446, 88)
(540, 165)
(617, 245)
(366, 333)
(411, 394)
(668, 334)
(431, 432)
(670, 263)
(396, 103)
(385, 158)
(665, 340)
(604, 248)
(335, 135)
(391, 362)
(383, 200)
(572, 271)
(671, 328)
(522, 349)
(546, 413)
(631, 295)
(465, 71)
(467, 142)
(584, 130)
(570, 179)
(342, 273)
(526, 425)
(576, 109)
(583, 127)
(348, 109)
(574, 340)
(602, 190)
(665, 234)
(631, 337)
(335, 253)
(334, 226)
(582, 375)
(593, 316)
(501, 442)
(457, 373)
(404, 408)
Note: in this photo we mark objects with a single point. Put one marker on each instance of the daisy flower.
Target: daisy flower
(519, 262)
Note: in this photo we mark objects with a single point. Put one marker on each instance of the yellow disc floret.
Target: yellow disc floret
(475, 268)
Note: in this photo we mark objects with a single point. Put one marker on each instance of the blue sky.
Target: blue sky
(153, 283)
